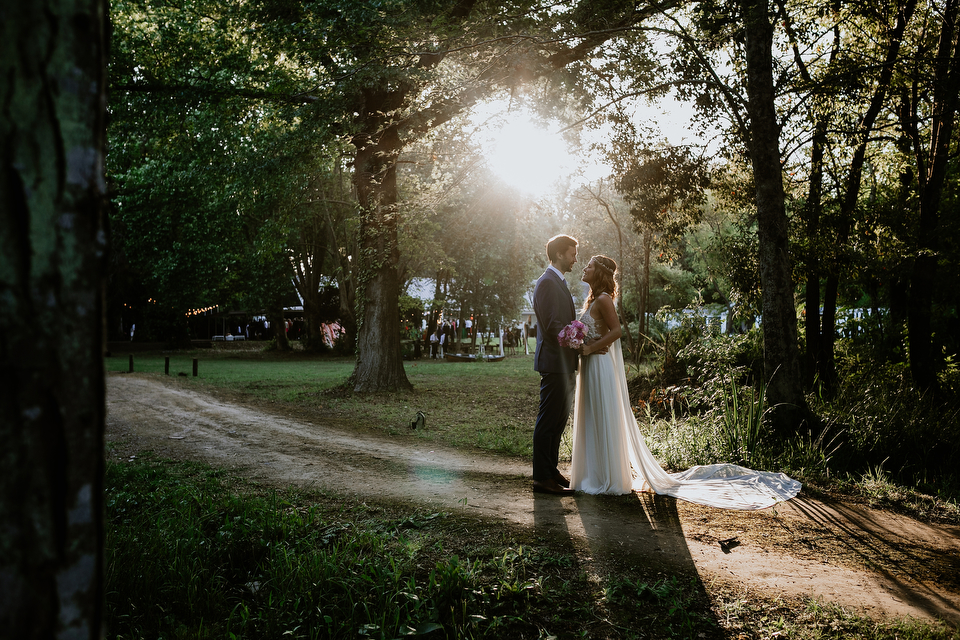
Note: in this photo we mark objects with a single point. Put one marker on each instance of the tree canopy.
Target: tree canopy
(251, 120)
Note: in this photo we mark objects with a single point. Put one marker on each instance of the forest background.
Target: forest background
(339, 144)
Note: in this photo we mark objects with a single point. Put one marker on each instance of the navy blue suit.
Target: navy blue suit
(557, 365)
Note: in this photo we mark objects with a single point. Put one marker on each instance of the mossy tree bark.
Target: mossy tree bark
(52, 249)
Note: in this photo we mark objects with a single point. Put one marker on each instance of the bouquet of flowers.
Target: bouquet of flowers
(572, 335)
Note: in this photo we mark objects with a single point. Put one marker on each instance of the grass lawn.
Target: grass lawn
(491, 405)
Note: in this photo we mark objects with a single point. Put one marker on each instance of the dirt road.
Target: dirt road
(867, 560)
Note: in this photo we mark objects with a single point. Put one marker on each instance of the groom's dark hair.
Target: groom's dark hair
(558, 244)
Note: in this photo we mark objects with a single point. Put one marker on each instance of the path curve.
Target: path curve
(788, 550)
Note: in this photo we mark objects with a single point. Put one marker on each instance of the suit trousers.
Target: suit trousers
(556, 401)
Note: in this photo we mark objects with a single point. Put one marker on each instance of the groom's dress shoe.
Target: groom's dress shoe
(563, 482)
(551, 487)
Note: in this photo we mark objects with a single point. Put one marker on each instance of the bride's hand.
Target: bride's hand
(583, 349)
(601, 350)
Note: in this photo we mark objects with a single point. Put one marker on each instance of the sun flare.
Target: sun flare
(527, 156)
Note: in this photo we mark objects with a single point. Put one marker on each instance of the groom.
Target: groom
(557, 365)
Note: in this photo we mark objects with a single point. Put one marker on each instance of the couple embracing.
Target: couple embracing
(609, 453)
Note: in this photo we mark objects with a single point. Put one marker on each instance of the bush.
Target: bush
(876, 423)
(889, 424)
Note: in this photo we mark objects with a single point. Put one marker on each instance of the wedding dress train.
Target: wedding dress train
(611, 457)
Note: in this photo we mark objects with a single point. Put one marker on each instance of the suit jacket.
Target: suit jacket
(553, 305)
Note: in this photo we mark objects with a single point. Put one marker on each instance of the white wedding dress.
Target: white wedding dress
(611, 457)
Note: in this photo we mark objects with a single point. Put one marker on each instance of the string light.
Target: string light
(189, 312)
(196, 312)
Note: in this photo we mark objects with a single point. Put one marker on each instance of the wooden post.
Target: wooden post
(131, 363)
(166, 365)
(196, 362)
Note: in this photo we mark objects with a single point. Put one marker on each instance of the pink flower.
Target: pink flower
(572, 335)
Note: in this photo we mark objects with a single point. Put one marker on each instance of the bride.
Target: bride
(609, 453)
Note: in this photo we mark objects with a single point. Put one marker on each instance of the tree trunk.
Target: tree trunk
(946, 88)
(307, 283)
(826, 370)
(813, 210)
(634, 347)
(380, 358)
(848, 206)
(780, 349)
(474, 330)
(645, 289)
(346, 278)
(309, 247)
(52, 265)
(346, 283)
(313, 339)
(435, 306)
(348, 317)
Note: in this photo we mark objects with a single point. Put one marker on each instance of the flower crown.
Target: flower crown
(607, 270)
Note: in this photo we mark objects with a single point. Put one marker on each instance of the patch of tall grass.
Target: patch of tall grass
(678, 442)
(190, 554)
(188, 558)
(814, 620)
(887, 422)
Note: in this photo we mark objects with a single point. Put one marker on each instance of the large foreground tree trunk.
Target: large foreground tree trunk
(52, 249)
(781, 353)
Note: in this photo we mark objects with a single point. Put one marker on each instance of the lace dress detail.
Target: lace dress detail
(590, 322)
(611, 457)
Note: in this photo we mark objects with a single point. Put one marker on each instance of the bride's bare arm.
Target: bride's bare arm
(608, 313)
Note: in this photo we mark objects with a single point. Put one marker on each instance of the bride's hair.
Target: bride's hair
(605, 280)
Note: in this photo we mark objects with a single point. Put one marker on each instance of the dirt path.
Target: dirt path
(866, 560)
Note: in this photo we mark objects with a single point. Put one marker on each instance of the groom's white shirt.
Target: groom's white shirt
(557, 271)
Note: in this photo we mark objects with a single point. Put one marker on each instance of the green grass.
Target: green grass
(193, 552)
(262, 374)
(814, 620)
(490, 405)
